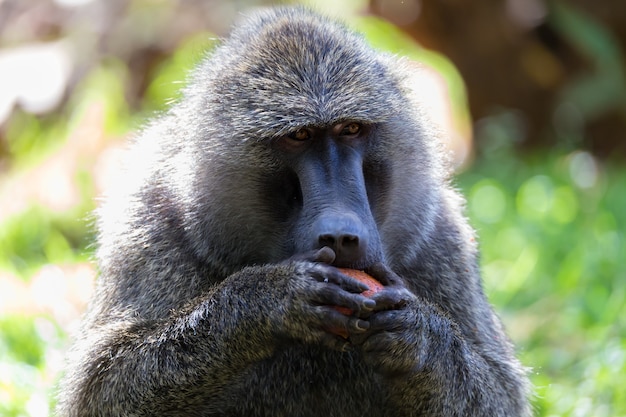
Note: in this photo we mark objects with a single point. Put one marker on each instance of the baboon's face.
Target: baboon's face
(328, 191)
(314, 144)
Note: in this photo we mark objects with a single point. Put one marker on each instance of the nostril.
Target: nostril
(349, 241)
(327, 240)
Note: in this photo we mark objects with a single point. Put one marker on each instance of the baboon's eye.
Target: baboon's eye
(300, 135)
(351, 129)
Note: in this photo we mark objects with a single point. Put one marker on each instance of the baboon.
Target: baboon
(295, 149)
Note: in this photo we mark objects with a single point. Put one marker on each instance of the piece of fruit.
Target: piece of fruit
(374, 287)
(371, 282)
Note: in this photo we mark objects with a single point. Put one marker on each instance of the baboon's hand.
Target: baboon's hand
(314, 290)
(394, 294)
(392, 344)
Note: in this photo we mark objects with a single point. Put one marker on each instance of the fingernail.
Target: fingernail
(362, 325)
(369, 304)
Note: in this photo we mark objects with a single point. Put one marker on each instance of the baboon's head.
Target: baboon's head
(305, 137)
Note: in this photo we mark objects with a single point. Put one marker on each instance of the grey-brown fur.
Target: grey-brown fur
(207, 299)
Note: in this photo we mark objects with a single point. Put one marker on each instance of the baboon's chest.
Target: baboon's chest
(309, 381)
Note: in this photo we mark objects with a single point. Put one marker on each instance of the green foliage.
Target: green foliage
(30, 138)
(172, 74)
(37, 236)
(104, 86)
(552, 237)
(26, 344)
(603, 88)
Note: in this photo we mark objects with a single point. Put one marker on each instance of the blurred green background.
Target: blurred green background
(531, 95)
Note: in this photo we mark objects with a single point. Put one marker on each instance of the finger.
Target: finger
(336, 323)
(332, 275)
(323, 255)
(332, 296)
(391, 298)
(335, 342)
(332, 340)
(386, 321)
(383, 274)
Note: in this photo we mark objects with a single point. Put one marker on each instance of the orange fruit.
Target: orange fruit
(374, 286)
(371, 282)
